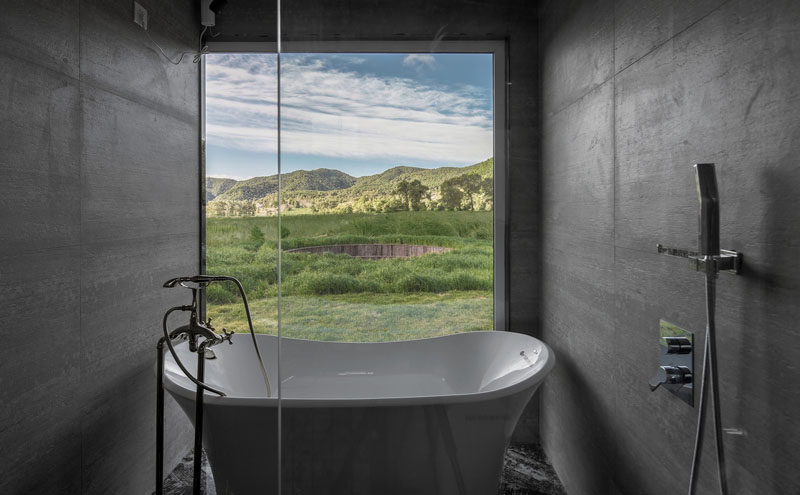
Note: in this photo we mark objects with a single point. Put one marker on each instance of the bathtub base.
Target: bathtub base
(425, 449)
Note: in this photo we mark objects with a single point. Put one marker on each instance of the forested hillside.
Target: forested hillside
(326, 190)
(216, 186)
(321, 179)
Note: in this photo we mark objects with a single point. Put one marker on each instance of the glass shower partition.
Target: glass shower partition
(392, 235)
(357, 189)
(241, 240)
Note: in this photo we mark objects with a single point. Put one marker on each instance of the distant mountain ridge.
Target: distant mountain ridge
(333, 191)
(386, 182)
(216, 186)
(323, 179)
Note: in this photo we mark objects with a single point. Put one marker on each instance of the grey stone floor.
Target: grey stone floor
(179, 481)
(526, 471)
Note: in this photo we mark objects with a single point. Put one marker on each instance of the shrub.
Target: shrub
(415, 282)
(467, 281)
(455, 261)
(309, 283)
(218, 294)
(228, 255)
(256, 238)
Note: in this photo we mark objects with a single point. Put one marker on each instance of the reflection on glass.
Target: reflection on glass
(241, 174)
(241, 241)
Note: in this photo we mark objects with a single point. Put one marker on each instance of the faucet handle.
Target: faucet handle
(208, 324)
(671, 375)
(226, 335)
(678, 345)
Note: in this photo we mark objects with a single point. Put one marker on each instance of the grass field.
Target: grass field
(336, 297)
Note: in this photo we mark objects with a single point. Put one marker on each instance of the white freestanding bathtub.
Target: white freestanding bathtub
(430, 416)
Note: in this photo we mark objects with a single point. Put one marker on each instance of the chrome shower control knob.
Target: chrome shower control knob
(671, 375)
(678, 345)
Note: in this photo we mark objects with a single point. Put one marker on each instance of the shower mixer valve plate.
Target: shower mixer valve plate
(676, 362)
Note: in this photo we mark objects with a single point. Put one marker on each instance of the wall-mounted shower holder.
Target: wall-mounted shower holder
(709, 260)
(727, 261)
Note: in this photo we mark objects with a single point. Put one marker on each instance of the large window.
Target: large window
(377, 212)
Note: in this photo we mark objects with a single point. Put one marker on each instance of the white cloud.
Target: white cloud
(340, 113)
(420, 60)
(227, 176)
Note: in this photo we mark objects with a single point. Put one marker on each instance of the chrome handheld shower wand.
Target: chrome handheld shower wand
(708, 240)
(710, 260)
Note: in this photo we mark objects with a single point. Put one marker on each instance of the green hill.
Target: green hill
(321, 179)
(332, 190)
(216, 186)
(386, 182)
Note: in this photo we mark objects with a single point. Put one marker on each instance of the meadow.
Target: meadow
(340, 298)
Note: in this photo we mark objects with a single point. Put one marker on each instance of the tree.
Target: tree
(232, 208)
(216, 208)
(416, 193)
(381, 205)
(247, 208)
(451, 194)
(403, 189)
(487, 188)
(396, 204)
(470, 185)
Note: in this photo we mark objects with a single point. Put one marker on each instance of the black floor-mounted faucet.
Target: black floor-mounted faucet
(201, 337)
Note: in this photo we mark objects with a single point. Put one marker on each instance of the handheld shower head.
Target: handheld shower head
(201, 280)
(708, 232)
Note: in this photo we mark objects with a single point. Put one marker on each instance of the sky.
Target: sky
(358, 113)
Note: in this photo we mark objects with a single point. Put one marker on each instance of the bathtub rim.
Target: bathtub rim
(546, 357)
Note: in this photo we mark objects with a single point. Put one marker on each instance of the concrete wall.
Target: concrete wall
(513, 20)
(634, 93)
(99, 139)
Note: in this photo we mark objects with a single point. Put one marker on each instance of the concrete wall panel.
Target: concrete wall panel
(127, 62)
(100, 166)
(711, 82)
(42, 30)
(40, 206)
(40, 372)
(569, 69)
(145, 179)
